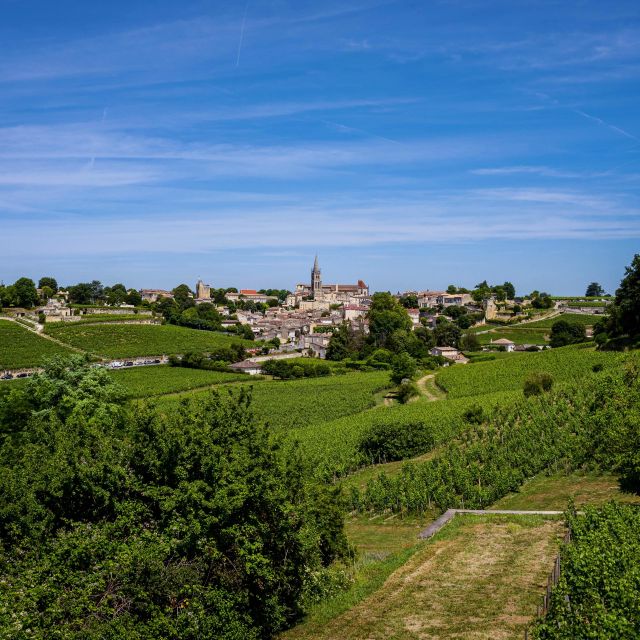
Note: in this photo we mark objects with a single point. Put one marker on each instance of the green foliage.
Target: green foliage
(386, 315)
(20, 347)
(508, 373)
(594, 290)
(573, 318)
(403, 366)
(474, 414)
(469, 342)
(584, 423)
(386, 442)
(188, 524)
(597, 594)
(124, 341)
(447, 334)
(48, 281)
(624, 313)
(564, 332)
(406, 391)
(537, 383)
(25, 293)
(334, 450)
(296, 368)
(342, 343)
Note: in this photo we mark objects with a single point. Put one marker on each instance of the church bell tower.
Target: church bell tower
(316, 281)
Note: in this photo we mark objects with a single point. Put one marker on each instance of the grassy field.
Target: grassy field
(126, 341)
(479, 577)
(292, 405)
(551, 492)
(505, 374)
(141, 382)
(523, 335)
(20, 347)
(585, 319)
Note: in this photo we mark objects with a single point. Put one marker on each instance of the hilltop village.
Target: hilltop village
(450, 323)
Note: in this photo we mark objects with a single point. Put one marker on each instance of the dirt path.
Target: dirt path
(425, 391)
(480, 578)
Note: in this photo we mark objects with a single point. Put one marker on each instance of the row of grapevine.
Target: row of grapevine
(565, 364)
(597, 595)
(552, 431)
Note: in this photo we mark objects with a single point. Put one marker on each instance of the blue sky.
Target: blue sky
(412, 144)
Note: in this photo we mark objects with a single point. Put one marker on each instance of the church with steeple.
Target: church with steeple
(316, 281)
(317, 295)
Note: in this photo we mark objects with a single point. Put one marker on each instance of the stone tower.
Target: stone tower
(316, 281)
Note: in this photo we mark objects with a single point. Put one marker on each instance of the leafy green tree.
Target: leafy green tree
(425, 335)
(190, 524)
(510, 290)
(403, 366)
(410, 301)
(46, 293)
(81, 293)
(340, 344)
(48, 281)
(25, 292)
(386, 315)
(116, 294)
(133, 297)
(8, 296)
(183, 296)
(625, 311)
(469, 342)
(564, 332)
(541, 300)
(447, 334)
(500, 293)
(594, 290)
(451, 289)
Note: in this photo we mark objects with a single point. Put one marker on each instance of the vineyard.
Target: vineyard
(565, 364)
(580, 318)
(20, 347)
(334, 450)
(143, 382)
(127, 341)
(597, 594)
(583, 423)
(290, 406)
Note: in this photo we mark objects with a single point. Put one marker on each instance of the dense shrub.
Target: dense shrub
(388, 442)
(186, 524)
(537, 382)
(406, 391)
(296, 368)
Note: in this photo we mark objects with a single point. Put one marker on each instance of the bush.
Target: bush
(388, 442)
(406, 391)
(537, 382)
(188, 524)
(403, 367)
(474, 414)
(296, 368)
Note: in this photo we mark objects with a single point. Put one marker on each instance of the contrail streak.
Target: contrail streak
(244, 20)
(607, 124)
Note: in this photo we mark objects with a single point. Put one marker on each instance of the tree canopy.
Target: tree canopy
(189, 524)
